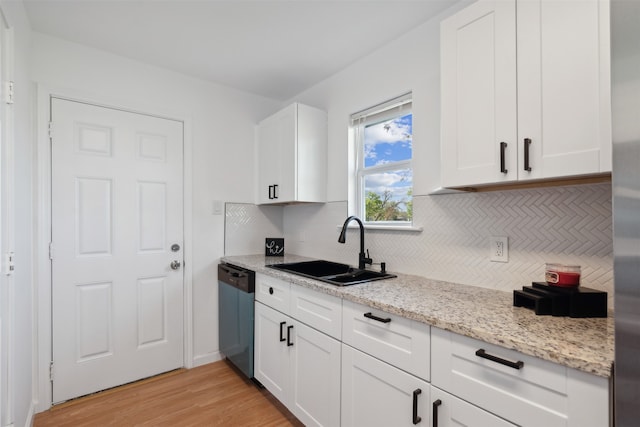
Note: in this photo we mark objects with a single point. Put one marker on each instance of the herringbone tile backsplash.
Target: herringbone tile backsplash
(570, 225)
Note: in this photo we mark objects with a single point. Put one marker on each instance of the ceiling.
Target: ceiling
(272, 48)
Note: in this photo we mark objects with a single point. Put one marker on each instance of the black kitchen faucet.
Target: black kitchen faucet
(363, 258)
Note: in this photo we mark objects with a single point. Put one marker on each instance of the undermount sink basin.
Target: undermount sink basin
(331, 272)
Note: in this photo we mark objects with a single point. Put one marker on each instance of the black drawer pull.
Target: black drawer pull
(435, 412)
(275, 191)
(416, 418)
(515, 365)
(503, 148)
(379, 319)
(289, 328)
(282, 338)
(270, 290)
(271, 191)
(527, 143)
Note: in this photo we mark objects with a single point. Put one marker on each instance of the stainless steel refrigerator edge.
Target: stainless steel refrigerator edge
(625, 77)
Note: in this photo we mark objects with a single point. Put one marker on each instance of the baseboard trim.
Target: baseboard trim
(205, 359)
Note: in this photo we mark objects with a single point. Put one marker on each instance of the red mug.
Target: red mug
(562, 275)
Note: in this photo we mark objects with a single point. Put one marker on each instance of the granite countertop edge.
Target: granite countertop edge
(585, 344)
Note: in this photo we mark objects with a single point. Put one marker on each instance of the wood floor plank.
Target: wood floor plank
(210, 395)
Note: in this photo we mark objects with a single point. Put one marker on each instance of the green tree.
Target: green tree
(380, 207)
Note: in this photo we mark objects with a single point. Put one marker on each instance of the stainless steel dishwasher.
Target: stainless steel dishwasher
(236, 291)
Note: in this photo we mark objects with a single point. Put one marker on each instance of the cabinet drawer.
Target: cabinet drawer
(273, 292)
(522, 389)
(396, 340)
(320, 311)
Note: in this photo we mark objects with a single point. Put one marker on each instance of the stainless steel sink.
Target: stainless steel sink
(331, 272)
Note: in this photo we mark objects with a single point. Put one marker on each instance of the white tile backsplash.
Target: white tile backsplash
(570, 225)
(247, 225)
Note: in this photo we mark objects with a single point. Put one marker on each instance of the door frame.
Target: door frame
(42, 205)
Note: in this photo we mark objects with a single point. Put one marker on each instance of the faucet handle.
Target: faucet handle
(367, 259)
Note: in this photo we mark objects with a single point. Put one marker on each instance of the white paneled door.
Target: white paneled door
(117, 238)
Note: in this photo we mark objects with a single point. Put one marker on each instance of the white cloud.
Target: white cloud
(390, 132)
(383, 179)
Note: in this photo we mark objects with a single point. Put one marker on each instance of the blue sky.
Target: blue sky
(386, 142)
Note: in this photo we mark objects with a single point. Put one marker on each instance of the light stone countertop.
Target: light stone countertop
(586, 344)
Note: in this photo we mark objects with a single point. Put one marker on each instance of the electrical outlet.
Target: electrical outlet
(499, 247)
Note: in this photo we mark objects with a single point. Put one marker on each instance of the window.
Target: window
(384, 177)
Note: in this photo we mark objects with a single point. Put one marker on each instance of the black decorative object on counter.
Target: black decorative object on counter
(273, 246)
(556, 301)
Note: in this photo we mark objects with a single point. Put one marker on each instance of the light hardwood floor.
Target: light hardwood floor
(210, 395)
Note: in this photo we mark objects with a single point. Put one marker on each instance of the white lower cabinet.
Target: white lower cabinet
(315, 365)
(271, 354)
(332, 362)
(299, 366)
(375, 393)
(449, 411)
(525, 390)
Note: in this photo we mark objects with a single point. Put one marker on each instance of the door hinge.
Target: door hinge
(9, 263)
(51, 371)
(51, 250)
(9, 92)
(51, 131)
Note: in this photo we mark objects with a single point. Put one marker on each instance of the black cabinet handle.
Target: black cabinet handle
(270, 192)
(289, 343)
(527, 143)
(435, 412)
(416, 418)
(270, 290)
(503, 148)
(275, 191)
(515, 365)
(282, 338)
(379, 319)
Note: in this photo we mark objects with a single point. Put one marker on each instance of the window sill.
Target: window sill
(407, 228)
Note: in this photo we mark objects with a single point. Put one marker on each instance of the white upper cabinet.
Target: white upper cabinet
(292, 156)
(478, 80)
(564, 87)
(525, 91)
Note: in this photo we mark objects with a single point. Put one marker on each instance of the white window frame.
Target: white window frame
(395, 107)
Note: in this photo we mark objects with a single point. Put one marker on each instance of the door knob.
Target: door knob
(175, 265)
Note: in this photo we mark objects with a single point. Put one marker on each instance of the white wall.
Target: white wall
(21, 349)
(221, 123)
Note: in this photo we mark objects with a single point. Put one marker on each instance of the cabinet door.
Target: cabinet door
(271, 353)
(564, 101)
(478, 99)
(315, 362)
(449, 411)
(277, 157)
(377, 394)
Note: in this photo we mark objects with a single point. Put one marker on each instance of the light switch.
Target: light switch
(217, 207)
